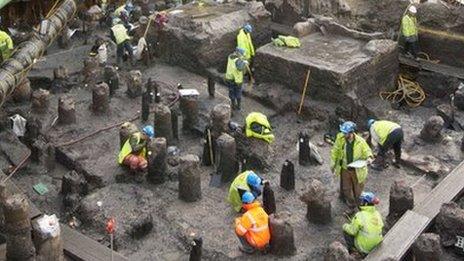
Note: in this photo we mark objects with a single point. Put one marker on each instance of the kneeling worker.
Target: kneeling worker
(247, 181)
(133, 153)
(257, 126)
(386, 135)
(252, 228)
(365, 230)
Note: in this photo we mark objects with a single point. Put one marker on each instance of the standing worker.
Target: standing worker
(364, 232)
(348, 148)
(133, 152)
(247, 181)
(236, 66)
(410, 32)
(252, 228)
(244, 41)
(6, 45)
(122, 39)
(386, 135)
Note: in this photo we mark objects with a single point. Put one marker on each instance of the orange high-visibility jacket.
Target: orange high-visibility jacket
(254, 225)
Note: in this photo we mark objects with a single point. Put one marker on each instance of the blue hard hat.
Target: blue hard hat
(248, 28)
(348, 127)
(240, 64)
(370, 122)
(149, 131)
(129, 7)
(247, 198)
(240, 50)
(368, 198)
(253, 180)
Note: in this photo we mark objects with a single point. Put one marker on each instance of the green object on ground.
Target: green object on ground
(40, 188)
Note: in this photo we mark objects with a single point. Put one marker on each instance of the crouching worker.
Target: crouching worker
(252, 228)
(257, 126)
(247, 181)
(364, 232)
(133, 153)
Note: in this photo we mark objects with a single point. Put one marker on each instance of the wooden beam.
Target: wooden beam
(444, 69)
(403, 234)
(82, 248)
(400, 237)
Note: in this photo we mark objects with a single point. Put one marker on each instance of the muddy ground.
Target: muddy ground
(212, 217)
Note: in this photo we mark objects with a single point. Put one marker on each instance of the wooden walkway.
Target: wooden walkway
(403, 234)
(76, 246)
(434, 67)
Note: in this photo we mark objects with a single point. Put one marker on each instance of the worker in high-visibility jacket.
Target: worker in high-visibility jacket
(364, 232)
(409, 31)
(386, 135)
(348, 148)
(247, 181)
(128, 7)
(122, 39)
(257, 126)
(133, 153)
(252, 228)
(234, 76)
(6, 45)
(245, 42)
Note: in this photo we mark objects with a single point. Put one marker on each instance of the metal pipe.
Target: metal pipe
(13, 70)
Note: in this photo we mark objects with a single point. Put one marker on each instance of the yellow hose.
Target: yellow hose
(408, 91)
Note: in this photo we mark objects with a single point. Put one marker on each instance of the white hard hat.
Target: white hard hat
(412, 9)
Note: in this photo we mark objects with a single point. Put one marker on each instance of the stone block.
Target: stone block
(202, 36)
(431, 131)
(342, 68)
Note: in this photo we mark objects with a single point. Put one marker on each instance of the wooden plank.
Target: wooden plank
(82, 248)
(447, 190)
(280, 28)
(400, 237)
(13, 189)
(434, 67)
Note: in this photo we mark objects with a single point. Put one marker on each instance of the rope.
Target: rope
(408, 91)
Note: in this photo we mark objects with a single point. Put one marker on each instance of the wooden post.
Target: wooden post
(401, 200)
(111, 77)
(157, 167)
(196, 251)
(126, 130)
(211, 86)
(304, 150)
(287, 176)
(49, 247)
(189, 108)
(175, 123)
(282, 239)
(19, 244)
(163, 124)
(134, 84)
(40, 100)
(66, 110)
(226, 160)
(101, 98)
(319, 207)
(189, 179)
(269, 203)
(220, 118)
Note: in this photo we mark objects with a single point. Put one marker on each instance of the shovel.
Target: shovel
(215, 180)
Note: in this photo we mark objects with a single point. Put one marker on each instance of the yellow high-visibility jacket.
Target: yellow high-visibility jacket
(381, 129)
(266, 129)
(361, 151)
(6, 45)
(232, 72)
(409, 26)
(244, 41)
(366, 227)
(135, 139)
(120, 33)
